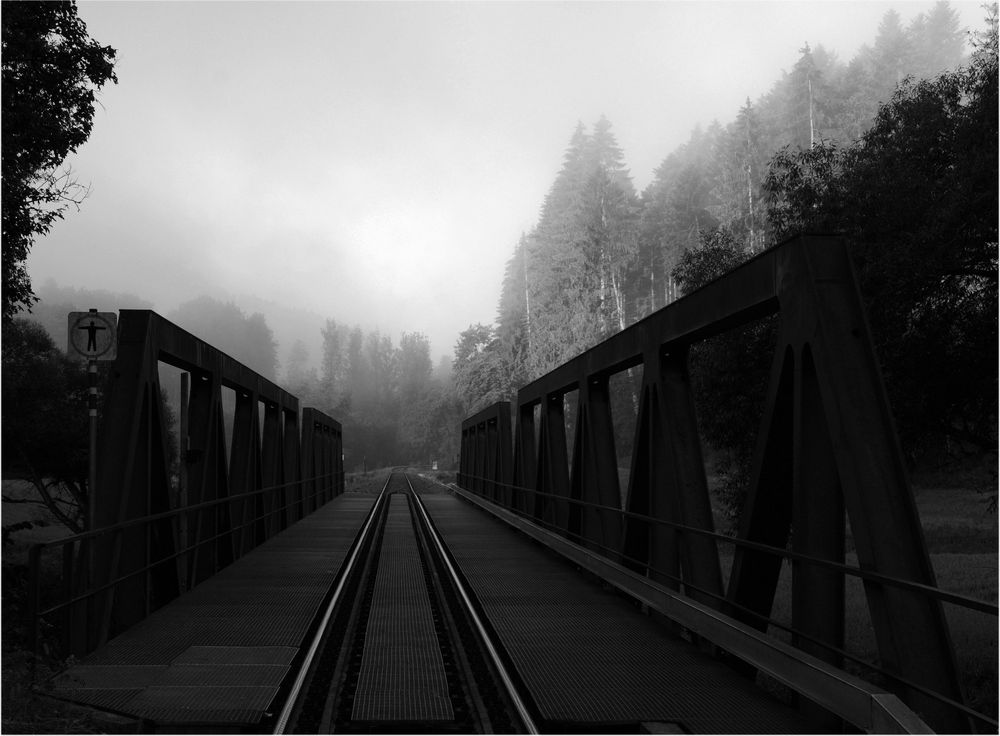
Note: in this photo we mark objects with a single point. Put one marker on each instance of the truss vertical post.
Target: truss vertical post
(766, 516)
(525, 467)
(291, 464)
(485, 460)
(910, 628)
(553, 464)
(132, 448)
(650, 548)
(271, 475)
(826, 444)
(208, 478)
(308, 456)
(817, 531)
(595, 464)
(699, 554)
(134, 478)
(244, 475)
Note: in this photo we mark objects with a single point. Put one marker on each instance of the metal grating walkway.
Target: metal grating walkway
(218, 654)
(402, 672)
(587, 655)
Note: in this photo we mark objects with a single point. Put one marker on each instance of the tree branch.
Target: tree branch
(43, 491)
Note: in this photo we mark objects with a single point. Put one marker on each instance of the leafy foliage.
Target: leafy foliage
(906, 168)
(51, 70)
(917, 197)
(45, 420)
(729, 372)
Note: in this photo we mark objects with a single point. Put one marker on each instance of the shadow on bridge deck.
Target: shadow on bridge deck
(216, 657)
(590, 658)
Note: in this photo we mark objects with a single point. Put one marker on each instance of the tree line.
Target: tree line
(395, 406)
(896, 149)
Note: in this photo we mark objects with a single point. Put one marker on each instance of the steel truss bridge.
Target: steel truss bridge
(527, 597)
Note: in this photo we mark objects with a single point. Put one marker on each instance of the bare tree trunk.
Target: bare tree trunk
(50, 503)
(753, 244)
(812, 132)
(652, 291)
(527, 298)
(619, 301)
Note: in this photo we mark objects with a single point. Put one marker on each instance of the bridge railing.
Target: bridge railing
(243, 481)
(826, 447)
(58, 596)
(673, 582)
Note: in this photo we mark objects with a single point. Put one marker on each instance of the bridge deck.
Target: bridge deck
(589, 658)
(219, 653)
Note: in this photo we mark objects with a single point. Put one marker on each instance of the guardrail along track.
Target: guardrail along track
(400, 647)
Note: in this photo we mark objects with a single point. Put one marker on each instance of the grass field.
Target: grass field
(960, 530)
(961, 534)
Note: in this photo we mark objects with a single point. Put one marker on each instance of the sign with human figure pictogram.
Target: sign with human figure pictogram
(93, 335)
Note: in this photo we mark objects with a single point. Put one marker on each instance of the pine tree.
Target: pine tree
(891, 55)
(608, 211)
(563, 318)
(740, 167)
(944, 42)
(334, 366)
(514, 312)
(678, 206)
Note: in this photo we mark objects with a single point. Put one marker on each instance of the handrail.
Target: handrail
(848, 696)
(183, 510)
(36, 613)
(941, 595)
(78, 537)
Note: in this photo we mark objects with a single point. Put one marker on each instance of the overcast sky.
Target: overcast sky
(377, 162)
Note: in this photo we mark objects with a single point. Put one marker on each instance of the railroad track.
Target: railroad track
(400, 647)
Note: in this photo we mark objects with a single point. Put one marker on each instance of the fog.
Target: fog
(376, 163)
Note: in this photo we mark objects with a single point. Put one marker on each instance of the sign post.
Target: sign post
(94, 336)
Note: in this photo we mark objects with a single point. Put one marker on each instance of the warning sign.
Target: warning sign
(93, 335)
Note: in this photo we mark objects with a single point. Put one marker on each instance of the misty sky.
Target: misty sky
(377, 162)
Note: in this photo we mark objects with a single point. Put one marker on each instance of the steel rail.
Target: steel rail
(348, 569)
(519, 705)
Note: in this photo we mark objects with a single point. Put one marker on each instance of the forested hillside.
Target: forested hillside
(394, 405)
(896, 148)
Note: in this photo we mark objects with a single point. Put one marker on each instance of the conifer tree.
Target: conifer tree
(891, 56)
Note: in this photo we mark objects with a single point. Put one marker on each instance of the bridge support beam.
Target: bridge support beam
(134, 479)
(595, 470)
(829, 443)
(485, 463)
(826, 445)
